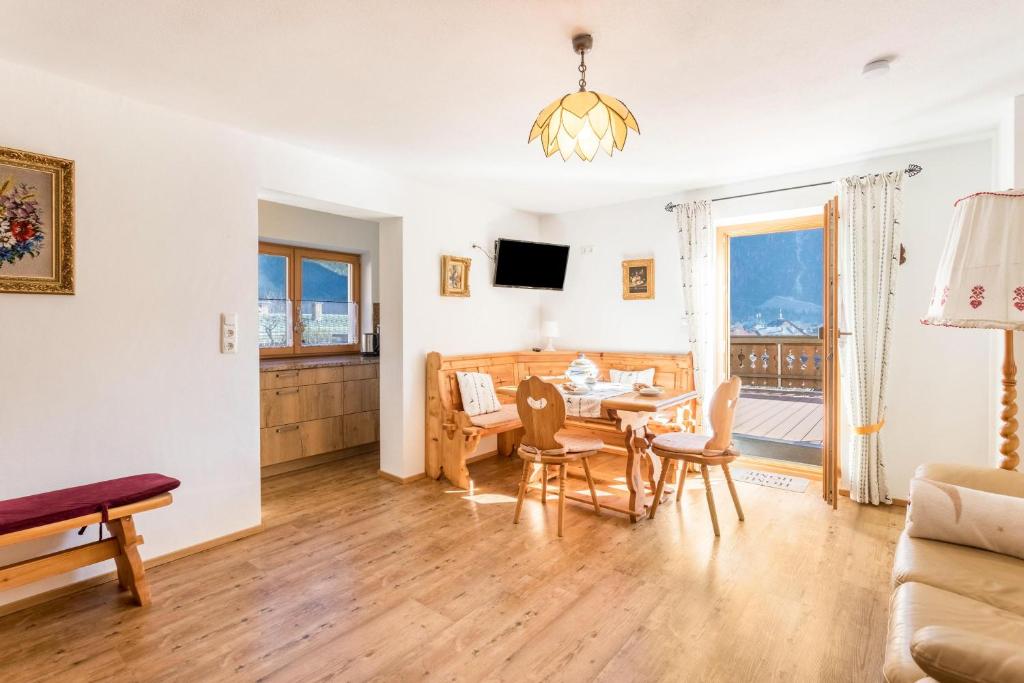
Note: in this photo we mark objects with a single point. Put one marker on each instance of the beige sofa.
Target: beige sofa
(958, 606)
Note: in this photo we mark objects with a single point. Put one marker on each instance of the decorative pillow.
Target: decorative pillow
(631, 377)
(478, 395)
(954, 514)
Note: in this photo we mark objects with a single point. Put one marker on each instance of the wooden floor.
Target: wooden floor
(785, 419)
(357, 578)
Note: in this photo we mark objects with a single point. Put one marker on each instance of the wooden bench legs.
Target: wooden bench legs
(123, 548)
(131, 575)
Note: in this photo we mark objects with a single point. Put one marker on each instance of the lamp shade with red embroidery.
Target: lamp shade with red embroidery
(980, 280)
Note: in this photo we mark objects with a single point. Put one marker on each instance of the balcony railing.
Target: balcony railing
(777, 362)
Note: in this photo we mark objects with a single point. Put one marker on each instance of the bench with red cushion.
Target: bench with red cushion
(111, 502)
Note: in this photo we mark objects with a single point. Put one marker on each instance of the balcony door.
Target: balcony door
(775, 305)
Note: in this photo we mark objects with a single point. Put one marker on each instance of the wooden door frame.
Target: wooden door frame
(723, 233)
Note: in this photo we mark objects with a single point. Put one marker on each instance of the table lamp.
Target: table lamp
(549, 329)
(980, 283)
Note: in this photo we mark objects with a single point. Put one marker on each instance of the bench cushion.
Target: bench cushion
(507, 414)
(56, 506)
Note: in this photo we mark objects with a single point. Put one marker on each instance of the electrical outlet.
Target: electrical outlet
(228, 332)
(587, 249)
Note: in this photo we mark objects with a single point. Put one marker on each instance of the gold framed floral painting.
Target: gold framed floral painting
(37, 223)
(638, 279)
(455, 275)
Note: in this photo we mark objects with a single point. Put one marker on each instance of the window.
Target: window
(308, 301)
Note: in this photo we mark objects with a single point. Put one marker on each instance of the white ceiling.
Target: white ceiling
(446, 90)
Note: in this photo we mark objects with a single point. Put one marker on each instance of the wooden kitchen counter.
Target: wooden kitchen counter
(279, 364)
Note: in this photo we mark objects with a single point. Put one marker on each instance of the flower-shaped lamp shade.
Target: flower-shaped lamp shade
(582, 123)
(980, 280)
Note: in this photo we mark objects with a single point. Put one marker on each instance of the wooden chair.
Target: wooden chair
(701, 450)
(542, 412)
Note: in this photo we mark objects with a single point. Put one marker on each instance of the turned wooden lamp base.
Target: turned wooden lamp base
(1008, 449)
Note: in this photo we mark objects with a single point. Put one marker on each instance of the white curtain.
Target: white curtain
(870, 210)
(696, 251)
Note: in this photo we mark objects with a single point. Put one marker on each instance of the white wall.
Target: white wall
(301, 227)
(938, 390)
(126, 375)
(1009, 163)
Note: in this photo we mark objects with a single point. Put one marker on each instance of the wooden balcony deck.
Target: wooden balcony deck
(795, 417)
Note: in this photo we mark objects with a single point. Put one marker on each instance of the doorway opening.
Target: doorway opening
(773, 314)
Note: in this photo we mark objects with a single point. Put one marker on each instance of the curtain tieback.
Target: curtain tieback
(869, 429)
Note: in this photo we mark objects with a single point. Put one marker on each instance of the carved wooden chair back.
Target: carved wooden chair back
(721, 414)
(542, 412)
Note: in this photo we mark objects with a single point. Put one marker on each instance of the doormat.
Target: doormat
(772, 480)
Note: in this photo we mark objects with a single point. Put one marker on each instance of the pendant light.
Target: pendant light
(583, 122)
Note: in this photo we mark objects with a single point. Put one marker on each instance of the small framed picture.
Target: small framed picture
(638, 279)
(455, 275)
(37, 222)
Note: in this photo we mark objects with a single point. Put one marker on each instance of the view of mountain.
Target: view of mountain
(321, 280)
(776, 283)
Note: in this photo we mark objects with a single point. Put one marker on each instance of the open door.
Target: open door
(830, 451)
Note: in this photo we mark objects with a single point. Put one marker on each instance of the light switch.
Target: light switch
(228, 332)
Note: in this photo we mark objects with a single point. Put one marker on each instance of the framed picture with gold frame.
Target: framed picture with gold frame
(37, 223)
(455, 275)
(638, 279)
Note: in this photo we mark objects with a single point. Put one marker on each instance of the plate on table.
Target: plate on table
(651, 391)
(575, 389)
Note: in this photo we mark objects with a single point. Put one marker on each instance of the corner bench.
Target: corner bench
(452, 436)
(111, 502)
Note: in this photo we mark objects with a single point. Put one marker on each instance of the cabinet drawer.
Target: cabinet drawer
(322, 436)
(318, 401)
(361, 428)
(280, 406)
(362, 395)
(354, 372)
(325, 375)
(280, 444)
(277, 379)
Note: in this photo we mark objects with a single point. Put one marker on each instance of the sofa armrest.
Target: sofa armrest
(952, 655)
(991, 479)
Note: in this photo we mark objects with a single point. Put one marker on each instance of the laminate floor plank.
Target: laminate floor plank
(357, 578)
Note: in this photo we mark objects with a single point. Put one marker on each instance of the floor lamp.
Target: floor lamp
(980, 283)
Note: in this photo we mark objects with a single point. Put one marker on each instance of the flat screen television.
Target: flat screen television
(535, 265)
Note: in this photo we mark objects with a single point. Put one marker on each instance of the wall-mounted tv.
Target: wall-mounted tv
(536, 265)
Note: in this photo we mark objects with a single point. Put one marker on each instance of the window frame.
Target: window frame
(293, 282)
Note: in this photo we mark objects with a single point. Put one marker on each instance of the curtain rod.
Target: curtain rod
(911, 171)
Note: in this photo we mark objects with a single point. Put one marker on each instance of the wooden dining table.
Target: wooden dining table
(630, 413)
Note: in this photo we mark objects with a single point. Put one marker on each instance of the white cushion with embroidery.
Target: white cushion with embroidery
(631, 377)
(478, 395)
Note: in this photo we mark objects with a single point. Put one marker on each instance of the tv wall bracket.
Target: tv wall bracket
(489, 255)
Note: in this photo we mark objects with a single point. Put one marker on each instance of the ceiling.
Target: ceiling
(446, 90)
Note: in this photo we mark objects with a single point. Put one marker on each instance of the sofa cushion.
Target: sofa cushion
(953, 655)
(477, 391)
(505, 414)
(956, 514)
(915, 605)
(978, 574)
(990, 479)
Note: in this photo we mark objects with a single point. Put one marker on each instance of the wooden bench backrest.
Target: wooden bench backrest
(673, 371)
